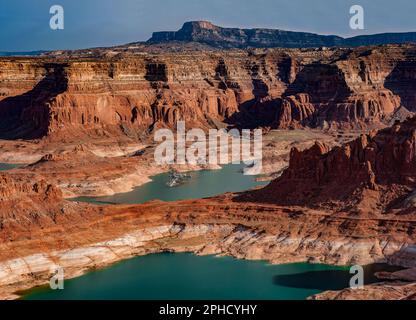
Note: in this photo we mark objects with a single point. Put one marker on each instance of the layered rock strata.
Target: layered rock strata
(127, 96)
(91, 237)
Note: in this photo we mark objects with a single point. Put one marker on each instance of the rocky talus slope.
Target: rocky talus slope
(127, 95)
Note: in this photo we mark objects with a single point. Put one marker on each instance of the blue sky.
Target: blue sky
(24, 24)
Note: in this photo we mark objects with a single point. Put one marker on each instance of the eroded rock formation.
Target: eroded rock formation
(374, 173)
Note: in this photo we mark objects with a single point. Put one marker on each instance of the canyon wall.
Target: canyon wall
(131, 94)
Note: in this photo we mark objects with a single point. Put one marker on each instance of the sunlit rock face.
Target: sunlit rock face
(131, 94)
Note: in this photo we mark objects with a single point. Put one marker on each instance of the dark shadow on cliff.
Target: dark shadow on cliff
(26, 116)
(156, 72)
(322, 82)
(257, 112)
(325, 86)
(330, 279)
(402, 82)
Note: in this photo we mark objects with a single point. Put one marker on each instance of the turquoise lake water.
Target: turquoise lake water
(187, 276)
(205, 183)
(7, 166)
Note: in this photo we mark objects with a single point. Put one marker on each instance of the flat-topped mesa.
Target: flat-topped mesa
(371, 174)
(195, 25)
(188, 32)
(219, 37)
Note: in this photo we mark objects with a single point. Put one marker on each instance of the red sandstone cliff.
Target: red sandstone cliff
(130, 94)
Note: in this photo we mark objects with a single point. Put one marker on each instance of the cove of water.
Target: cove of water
(187, 276)
(204, 183)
